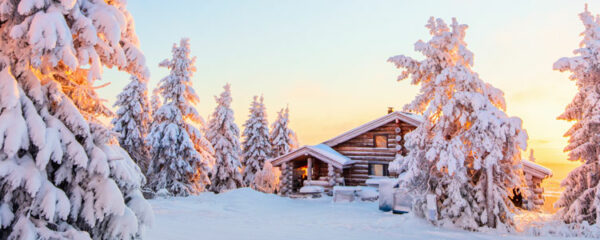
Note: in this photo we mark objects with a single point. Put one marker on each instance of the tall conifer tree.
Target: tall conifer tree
(180, 153)
(467, 151)
(580, 201)
(256, 145)
(224, 135)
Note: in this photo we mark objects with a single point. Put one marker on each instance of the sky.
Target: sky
(327, 59)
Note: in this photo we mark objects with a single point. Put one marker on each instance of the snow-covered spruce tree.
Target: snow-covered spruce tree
(256, 147)
(133, 121)
(580, 201)
(155, 102)
(282, 138)
(267, 179)
(224, 135)
(180, 152)
(62, 175)
(467, 151)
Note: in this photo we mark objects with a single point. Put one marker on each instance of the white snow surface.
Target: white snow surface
(248, 214)
(331, 153)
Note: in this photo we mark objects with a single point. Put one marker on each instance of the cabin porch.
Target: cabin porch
(312, 168)
(311, 171)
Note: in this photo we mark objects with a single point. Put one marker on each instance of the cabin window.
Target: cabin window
(377, 169)
(381, 141)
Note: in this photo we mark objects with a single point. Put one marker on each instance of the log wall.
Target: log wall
(362, 150)
(537, 190)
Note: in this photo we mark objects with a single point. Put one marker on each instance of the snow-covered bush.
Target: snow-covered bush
(62, 173)
(267, 179)
(256, 147)
(557, 228)
(180, 152)
(133, 121)
(467, 152)
(580, 201)
(282, 138)
(224, 135)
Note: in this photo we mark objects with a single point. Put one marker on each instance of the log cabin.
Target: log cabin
(364, 153)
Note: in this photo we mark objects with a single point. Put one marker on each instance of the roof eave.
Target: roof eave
(369, 126)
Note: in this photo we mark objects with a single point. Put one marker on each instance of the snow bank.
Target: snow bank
(247, 214)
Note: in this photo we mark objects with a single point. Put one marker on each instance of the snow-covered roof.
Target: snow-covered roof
(409, 118)
(535, 169)
(319, 151)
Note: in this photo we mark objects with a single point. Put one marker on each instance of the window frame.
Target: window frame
(387, 142)
(385, 166)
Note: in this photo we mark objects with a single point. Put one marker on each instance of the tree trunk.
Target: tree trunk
(490, 197)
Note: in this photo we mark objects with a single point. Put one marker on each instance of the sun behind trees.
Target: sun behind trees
(467, 151)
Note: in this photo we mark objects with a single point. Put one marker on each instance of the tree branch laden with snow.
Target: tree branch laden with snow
(62, 174)
(580, 201)
(467, 151)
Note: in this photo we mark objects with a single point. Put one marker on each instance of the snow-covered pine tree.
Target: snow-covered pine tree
(133, 121)
(467, 151)
(580, 201)
(256, 147)
(224, 135)
(282, 138)
(267, 179)
(62, 175)
(180, 152)
(155, 102)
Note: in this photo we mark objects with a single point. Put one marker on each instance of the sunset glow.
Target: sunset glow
(330, 65)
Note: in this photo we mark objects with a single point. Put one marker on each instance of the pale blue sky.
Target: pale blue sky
(327, 59)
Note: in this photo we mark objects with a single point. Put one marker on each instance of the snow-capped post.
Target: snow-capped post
(133, 121)
(224, 135)
(180, 152)
(467, 151)
(62, 173)
(309, 168)
(331, 175)
(580, 201)
(256, 147)
(531, 156)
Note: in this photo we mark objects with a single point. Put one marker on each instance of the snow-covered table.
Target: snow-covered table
(312, 191)
(344, 194)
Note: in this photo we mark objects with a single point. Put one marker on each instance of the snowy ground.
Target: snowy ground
(246, 214)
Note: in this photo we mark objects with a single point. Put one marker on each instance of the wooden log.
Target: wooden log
(373, 158)
(369, 149)
(389, 152)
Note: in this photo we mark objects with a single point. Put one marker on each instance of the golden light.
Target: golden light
(304, 171)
